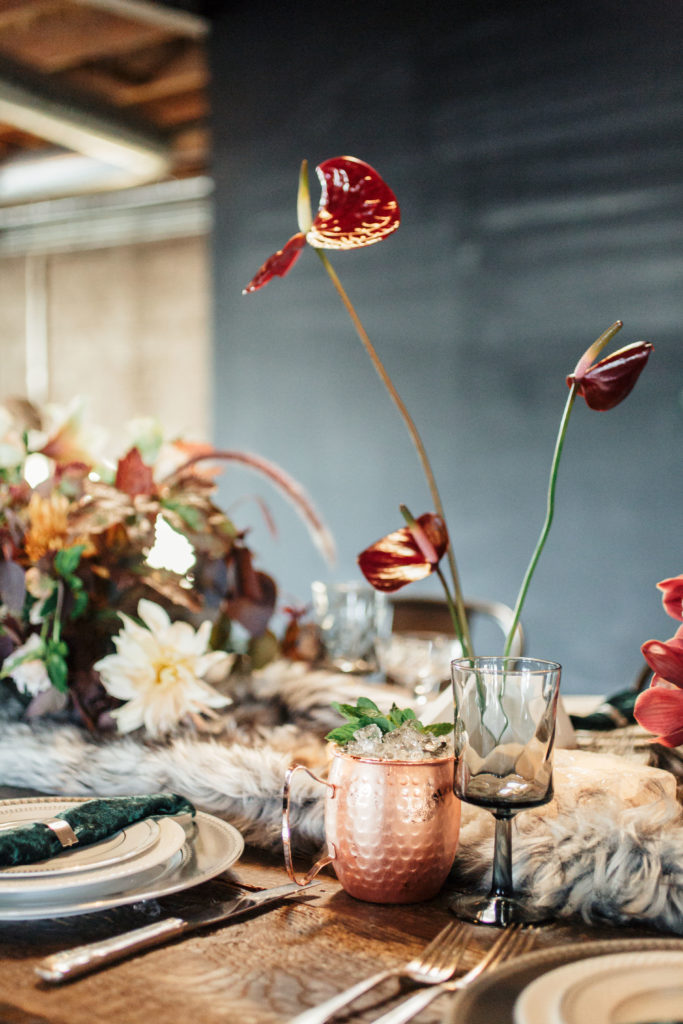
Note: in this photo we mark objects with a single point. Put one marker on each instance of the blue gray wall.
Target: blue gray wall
(535, 149)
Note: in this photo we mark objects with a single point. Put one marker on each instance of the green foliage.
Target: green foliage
(365, 712)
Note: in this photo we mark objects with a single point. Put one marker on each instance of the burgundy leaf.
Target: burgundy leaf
(133, 476)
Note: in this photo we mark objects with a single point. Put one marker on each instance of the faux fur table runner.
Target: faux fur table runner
(609, 848)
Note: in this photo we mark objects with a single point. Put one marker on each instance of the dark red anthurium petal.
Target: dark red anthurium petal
(672, 596)
(357, 207)
(278, 264)
(609, 381)
(660, 711)
(666, 657)
(398, 559)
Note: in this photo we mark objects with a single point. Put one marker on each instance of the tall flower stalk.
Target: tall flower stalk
(357, 208)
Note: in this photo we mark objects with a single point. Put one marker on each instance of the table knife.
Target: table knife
(81, 959)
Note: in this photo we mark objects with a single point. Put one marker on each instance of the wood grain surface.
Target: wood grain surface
(259, 970)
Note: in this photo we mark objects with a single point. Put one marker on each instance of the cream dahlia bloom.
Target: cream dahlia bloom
(160, 670)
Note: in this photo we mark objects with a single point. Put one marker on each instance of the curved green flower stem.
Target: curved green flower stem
(457, 605)
(540, 544)
(452, 609)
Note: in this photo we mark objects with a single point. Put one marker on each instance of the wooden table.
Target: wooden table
(259, 970)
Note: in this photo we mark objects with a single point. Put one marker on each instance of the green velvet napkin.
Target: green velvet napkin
(91, 822)
(615, 713)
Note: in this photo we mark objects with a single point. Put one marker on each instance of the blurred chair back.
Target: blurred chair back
(430, 615)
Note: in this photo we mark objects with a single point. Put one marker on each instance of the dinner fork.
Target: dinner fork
(513, 941)
(436, 963)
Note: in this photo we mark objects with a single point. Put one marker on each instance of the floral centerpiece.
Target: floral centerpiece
(91, 621)
(357, 208)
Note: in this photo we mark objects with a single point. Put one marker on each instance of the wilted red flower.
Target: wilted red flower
(357, 208)
(660, 708)
(672, 596)
(606, 383)
(406, 555)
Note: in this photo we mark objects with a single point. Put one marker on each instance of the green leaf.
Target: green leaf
(342, 734)
(57, 671)
(67, 560)
(365, 702)
(190, 516)
(439, 728)
(80, 604)
(346, 710)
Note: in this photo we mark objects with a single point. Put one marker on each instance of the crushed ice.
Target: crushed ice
(407, 743)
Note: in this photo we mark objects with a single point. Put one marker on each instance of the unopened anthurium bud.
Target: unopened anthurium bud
(607, 383)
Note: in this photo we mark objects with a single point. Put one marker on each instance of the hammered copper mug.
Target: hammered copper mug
(391, 826)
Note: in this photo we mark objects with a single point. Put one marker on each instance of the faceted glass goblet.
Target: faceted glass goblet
(505, 712)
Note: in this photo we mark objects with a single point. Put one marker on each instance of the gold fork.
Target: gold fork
(513, 941)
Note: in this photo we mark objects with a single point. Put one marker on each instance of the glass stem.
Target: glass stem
(458, 614)
(501, 882)
(550, 512)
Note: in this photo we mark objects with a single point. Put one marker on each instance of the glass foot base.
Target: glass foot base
(497, 910)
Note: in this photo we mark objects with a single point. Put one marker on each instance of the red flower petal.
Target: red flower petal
(609, 381)
(397, 559)
(661, 712)
(672, 596)
(278, 264)
(666, 657)
(357, 207)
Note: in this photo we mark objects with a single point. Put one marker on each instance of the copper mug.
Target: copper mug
(391, 826)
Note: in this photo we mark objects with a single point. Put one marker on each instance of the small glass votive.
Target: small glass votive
(350, 617)
(418, 661)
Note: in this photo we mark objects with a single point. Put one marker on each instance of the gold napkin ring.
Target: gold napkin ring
(63, 830)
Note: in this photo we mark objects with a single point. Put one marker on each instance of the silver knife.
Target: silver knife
(81, 959)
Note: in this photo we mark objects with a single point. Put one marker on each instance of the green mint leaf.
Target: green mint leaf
(365, 702)
(439, 728)
(346, 710)
(342, 734)
(67, 560)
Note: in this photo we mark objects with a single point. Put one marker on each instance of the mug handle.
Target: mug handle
(286, 831)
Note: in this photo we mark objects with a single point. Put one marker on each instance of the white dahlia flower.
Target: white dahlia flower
(160, 670)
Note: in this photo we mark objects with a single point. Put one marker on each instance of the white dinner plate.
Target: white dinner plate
(492, 997)
(108, 878)
(621, 988)
(130, 841)
(211, 847)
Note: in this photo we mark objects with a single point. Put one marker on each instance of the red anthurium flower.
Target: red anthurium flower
(606, 383)
(357, 208)
(660, 711)
(406, 555)
(672, 596)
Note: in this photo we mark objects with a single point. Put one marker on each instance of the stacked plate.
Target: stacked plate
(146, 860)
(619, 981)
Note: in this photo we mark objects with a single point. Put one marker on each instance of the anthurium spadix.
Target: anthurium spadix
(357, 208)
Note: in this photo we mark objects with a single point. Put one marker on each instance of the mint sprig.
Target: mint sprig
(365, 712)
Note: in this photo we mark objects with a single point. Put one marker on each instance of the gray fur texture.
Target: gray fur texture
(598, 857)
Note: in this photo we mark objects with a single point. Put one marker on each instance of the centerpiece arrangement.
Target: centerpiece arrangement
(92, 622)
(357, 208)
